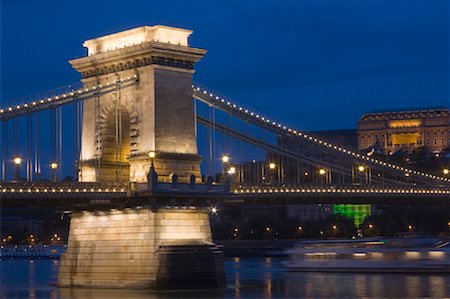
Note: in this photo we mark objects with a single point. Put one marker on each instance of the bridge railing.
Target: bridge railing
(8, 188)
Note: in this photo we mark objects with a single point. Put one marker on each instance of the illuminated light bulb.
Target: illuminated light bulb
(361, 168)
(272, 166)
(232, 170)
(225, 159)
(322, 171)
(17, 160)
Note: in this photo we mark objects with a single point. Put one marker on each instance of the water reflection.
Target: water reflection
(247, 278)
(268, 285)
(82, 293)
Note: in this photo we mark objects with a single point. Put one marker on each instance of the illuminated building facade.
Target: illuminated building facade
(356, 212)
(391, 131)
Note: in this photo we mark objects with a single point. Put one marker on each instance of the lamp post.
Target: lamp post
(367, 173)
(326, 173)
(152, 156)
(152, 177)
(231, 170)
(272, 167)
(54, 167)
(17, 160)
(225, 160)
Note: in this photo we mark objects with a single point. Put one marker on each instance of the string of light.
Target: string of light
(12, 111)
(271, 190)
(202, 92)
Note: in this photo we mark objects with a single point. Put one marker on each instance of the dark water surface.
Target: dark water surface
(247, 278)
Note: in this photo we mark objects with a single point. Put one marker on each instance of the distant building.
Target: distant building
(407, 129)
(347, 138)
(277, 212)
(10, 224)
(309, 212)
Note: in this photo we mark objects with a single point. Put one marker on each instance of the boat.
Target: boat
(31, 252)
(406, 254)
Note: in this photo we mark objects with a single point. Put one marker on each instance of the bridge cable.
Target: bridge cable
(4, 148)
(29, 156)
(16, 138)
(52, 135)
(60, 137)
(210, 141)
(37, 139)
(214, 147)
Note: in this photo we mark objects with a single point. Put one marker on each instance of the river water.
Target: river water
(262, 277)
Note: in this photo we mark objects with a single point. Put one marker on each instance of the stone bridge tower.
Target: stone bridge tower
(156, 114)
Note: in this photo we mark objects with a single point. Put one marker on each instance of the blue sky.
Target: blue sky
(313, 64)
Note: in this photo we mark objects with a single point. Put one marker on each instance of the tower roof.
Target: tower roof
(139, 35)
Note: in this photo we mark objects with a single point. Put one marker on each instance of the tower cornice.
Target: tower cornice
(136, 56)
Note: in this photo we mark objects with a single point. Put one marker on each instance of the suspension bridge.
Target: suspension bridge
(137, 139)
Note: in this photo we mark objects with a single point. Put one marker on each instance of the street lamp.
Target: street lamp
(17, 160)
(152, 156)
(445, 171)
(232, 170)
(54, 166)
(272, 167)
(225, 160)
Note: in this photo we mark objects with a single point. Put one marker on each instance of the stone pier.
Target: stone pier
(141, 249)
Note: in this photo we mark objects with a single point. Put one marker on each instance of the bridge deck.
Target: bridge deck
(97, 195)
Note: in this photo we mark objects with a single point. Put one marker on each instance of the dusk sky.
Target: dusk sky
(313, 64)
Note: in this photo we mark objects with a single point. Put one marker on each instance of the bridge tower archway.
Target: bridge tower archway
(115, 142)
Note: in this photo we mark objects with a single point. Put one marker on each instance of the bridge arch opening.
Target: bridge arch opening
(115, 146)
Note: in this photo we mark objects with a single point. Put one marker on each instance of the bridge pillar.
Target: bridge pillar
(156, 114)
(143, 249)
